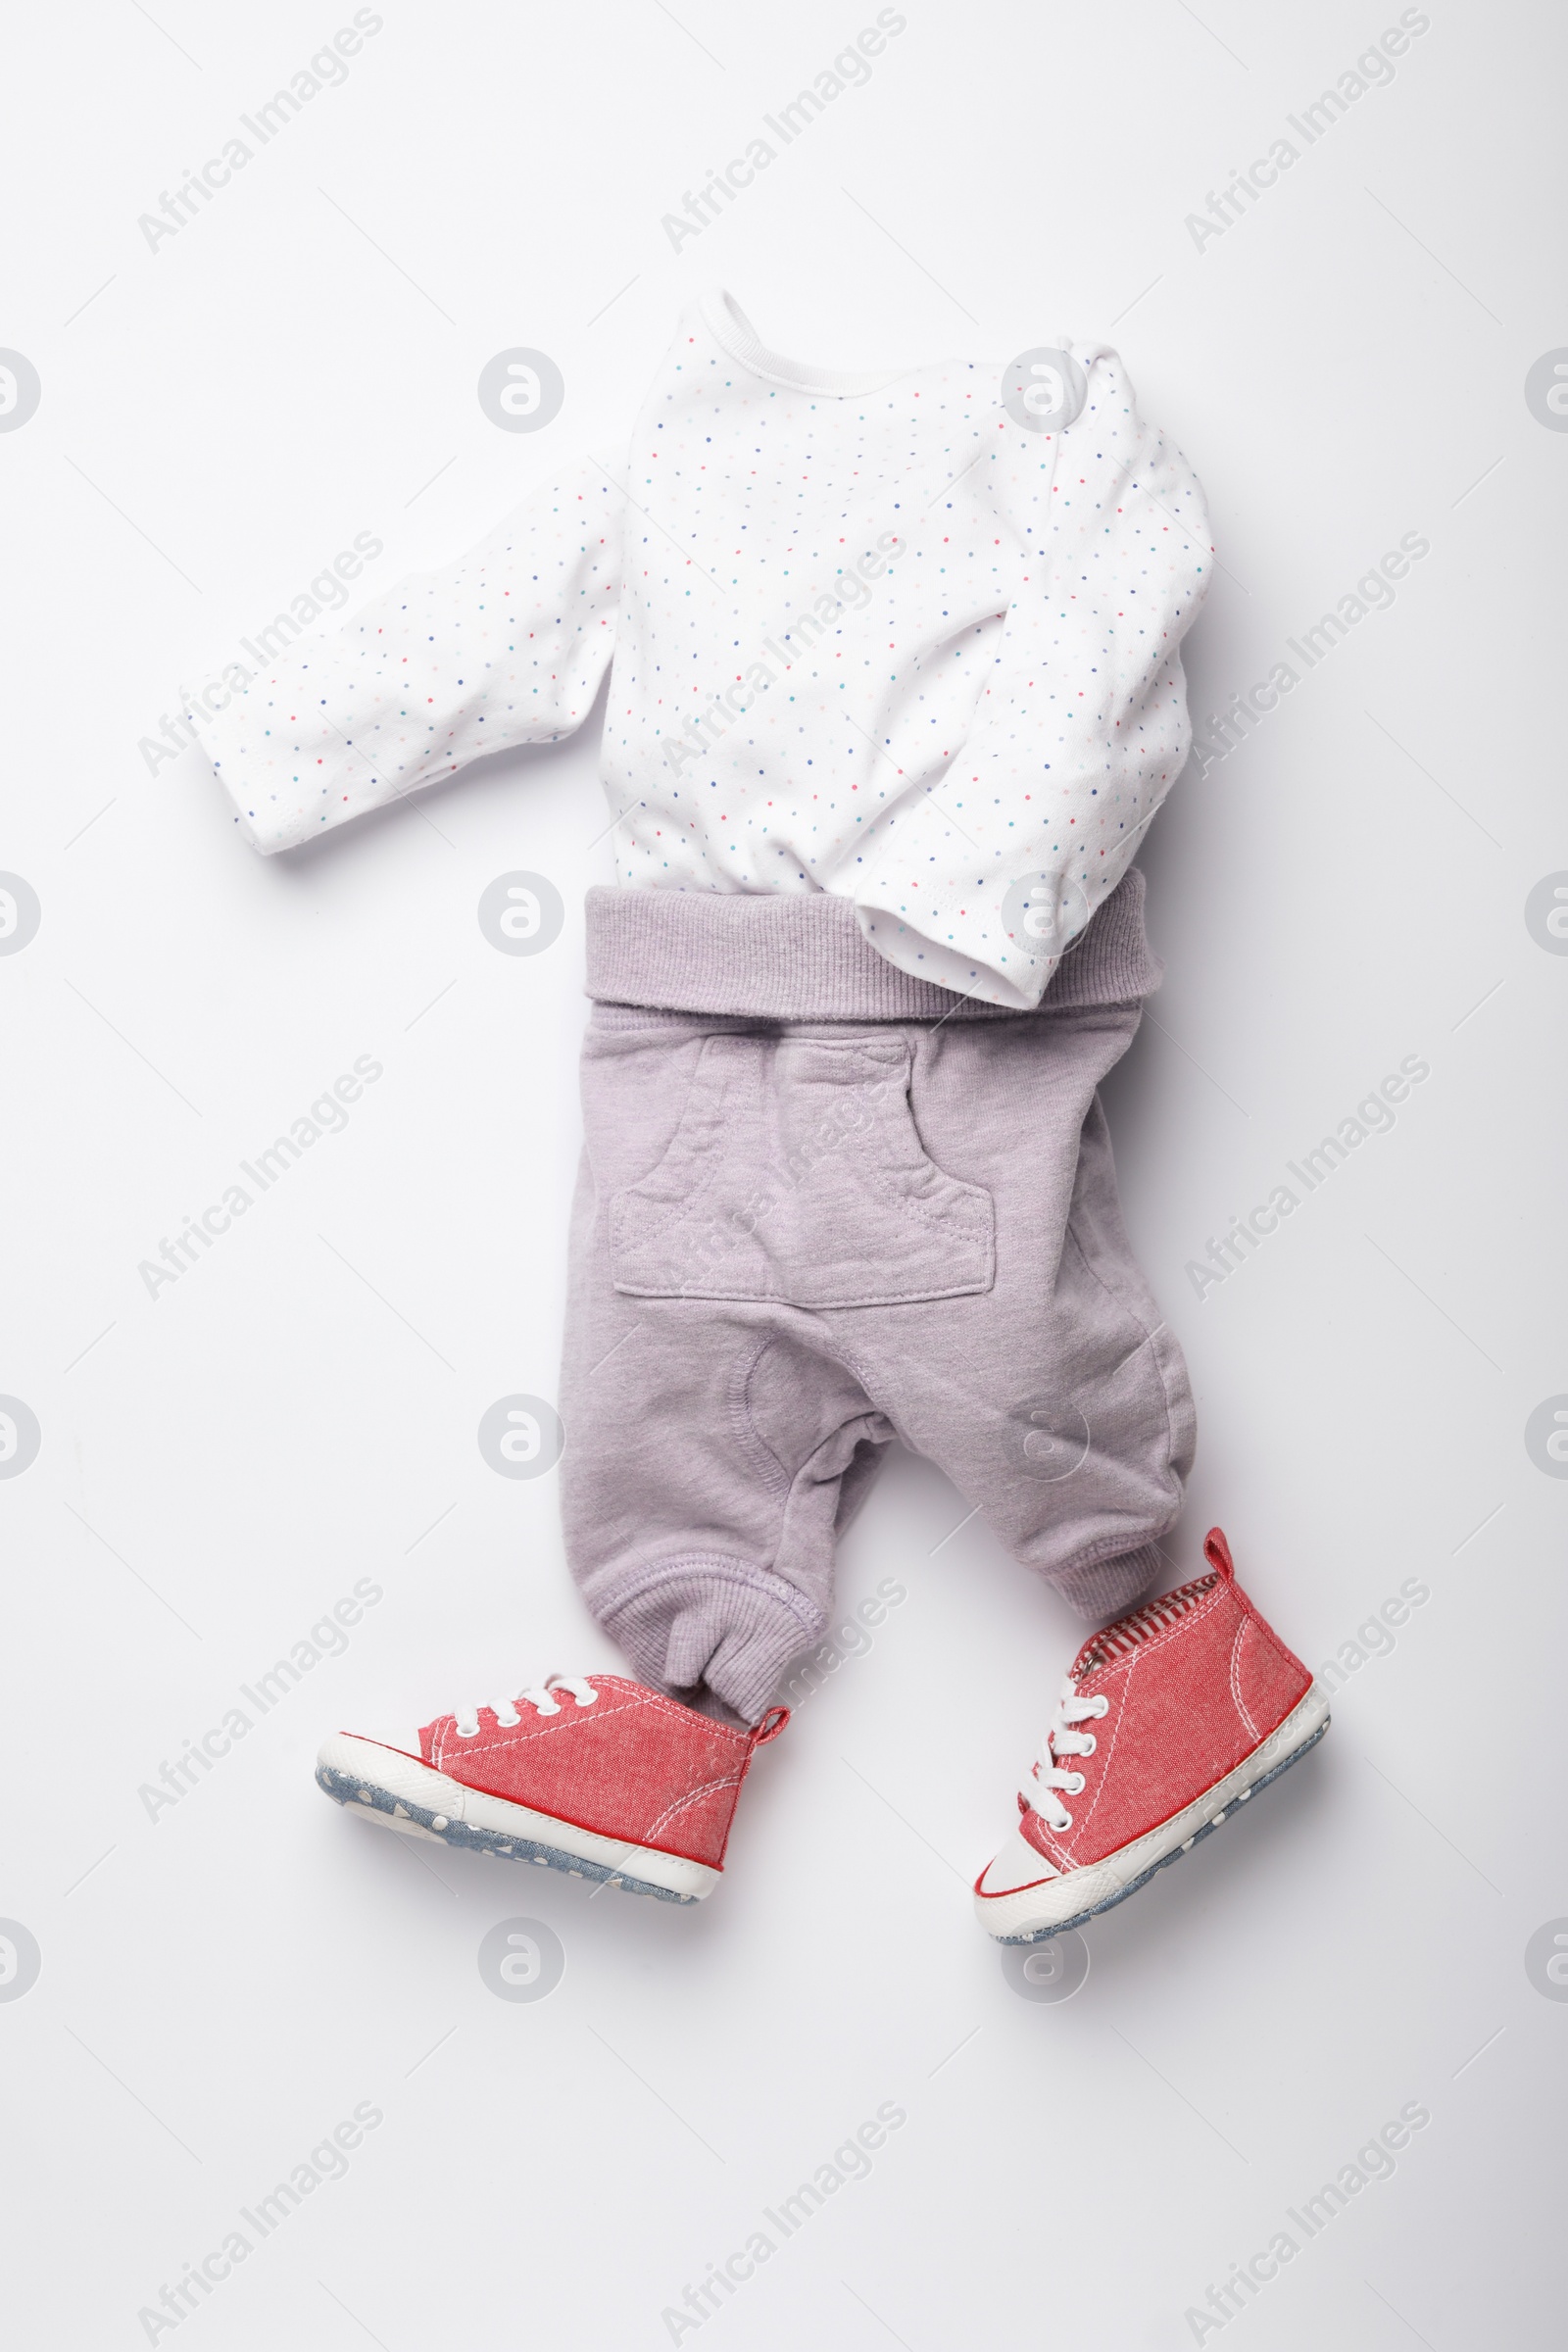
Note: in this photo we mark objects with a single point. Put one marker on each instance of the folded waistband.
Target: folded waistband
(802, 956)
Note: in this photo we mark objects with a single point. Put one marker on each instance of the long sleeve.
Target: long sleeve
(506, 646)
(983, 879)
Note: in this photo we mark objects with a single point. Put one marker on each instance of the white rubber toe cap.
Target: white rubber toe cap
(1017, 1866)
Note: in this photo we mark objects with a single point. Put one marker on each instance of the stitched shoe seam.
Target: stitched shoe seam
(1117, 1852)
(1282, 1649)
(1114, 1853)
(694, 1796)
(511, 1738)
(1242, 1707)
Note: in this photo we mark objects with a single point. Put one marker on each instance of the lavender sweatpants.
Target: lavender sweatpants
(823, 1206)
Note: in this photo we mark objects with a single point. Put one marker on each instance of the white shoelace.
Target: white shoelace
(1038, 1791)
(541, 1697)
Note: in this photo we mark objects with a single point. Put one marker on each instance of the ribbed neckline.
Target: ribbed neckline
(735, 334)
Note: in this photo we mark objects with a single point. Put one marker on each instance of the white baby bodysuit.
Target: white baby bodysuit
(866, 636)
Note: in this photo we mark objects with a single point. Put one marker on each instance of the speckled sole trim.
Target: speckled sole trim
(1233, 1791)
(361, 1793)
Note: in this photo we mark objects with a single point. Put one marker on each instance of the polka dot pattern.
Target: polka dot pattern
(867, 637)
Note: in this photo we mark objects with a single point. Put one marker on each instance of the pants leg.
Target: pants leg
(1057, 1400)
(707, 1437)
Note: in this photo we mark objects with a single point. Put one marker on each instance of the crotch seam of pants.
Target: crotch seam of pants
(804, 1484)
(720, 1568)
(886, 1381)
(748, 1436)
(781, 1478)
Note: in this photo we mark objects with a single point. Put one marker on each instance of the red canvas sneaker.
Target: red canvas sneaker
(1196, 1704)
(605, 1779)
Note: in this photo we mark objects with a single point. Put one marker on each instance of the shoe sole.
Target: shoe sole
(390, 1790)
(1035, 1914)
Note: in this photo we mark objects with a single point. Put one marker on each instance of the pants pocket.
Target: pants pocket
(797, 1174)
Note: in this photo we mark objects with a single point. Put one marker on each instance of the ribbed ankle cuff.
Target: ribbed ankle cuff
(707, 1623)
(801, 955)
(1107, 1588)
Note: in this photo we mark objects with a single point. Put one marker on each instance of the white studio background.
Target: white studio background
(219, 1987)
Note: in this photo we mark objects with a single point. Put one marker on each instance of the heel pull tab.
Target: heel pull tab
(769, 1728)
(1217, 1552)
